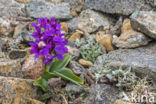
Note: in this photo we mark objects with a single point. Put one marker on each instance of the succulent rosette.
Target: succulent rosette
(49, 41)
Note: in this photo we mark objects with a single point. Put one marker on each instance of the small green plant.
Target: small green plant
(143, 89)
(122, 78)
(143, 86)
(90, 49)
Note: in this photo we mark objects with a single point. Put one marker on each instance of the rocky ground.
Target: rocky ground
(124, 30)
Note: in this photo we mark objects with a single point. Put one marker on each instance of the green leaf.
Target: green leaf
(46, 74)
(41, 82)
(115, 72)
(109, 76)
(107, 71)
(57, 64)
(118, 85)
(68, 75)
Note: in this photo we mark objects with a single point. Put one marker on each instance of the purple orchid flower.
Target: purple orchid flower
(49, 41)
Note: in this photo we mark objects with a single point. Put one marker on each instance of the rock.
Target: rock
(16, 53)
(74, 52)
(1, 53)
(33, 101)
(76, 67)
(73, 24)
(103, 49)
(151, 2)
(44, 9)
(18, 29)
(140, 60)
(72, 88)
(32, 68)
(55, 1)
(24, 37)
(64, 25)
(131, 39)
(51, 101)
(117, 28)
(71, 44)
(105, 40)
(76, 6)
(22, 1)
(11, 9)
(5, 42)
(75, 3)
(102, 94)
(6, 28)
(85, 63)
(21, 100)
(10, 68)
(21, 38)
(122, 7)
(90, 21)
(54, 83)
(145, 22)
(73, 13)
(121, 102)
(126, 26)
(21, 18)
(75, 35)
(15, 90)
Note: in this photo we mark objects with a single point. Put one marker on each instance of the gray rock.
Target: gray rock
(6, 28)
(76, 67)
(45, 9)
(90, 21)
(103, 49)
(54, 83)
(74, 3)
(102, 94)
(21, 40)
(73, 24)
(152, 3)
(141, 60)
(5, 43)
(23, 37)
(117, 28)
(10, 8)
(124, 7)
(19, 28)
(1, 53)
(131, 39)
(15, 54)
(145, 22)
(74, 52)
(72, 88)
